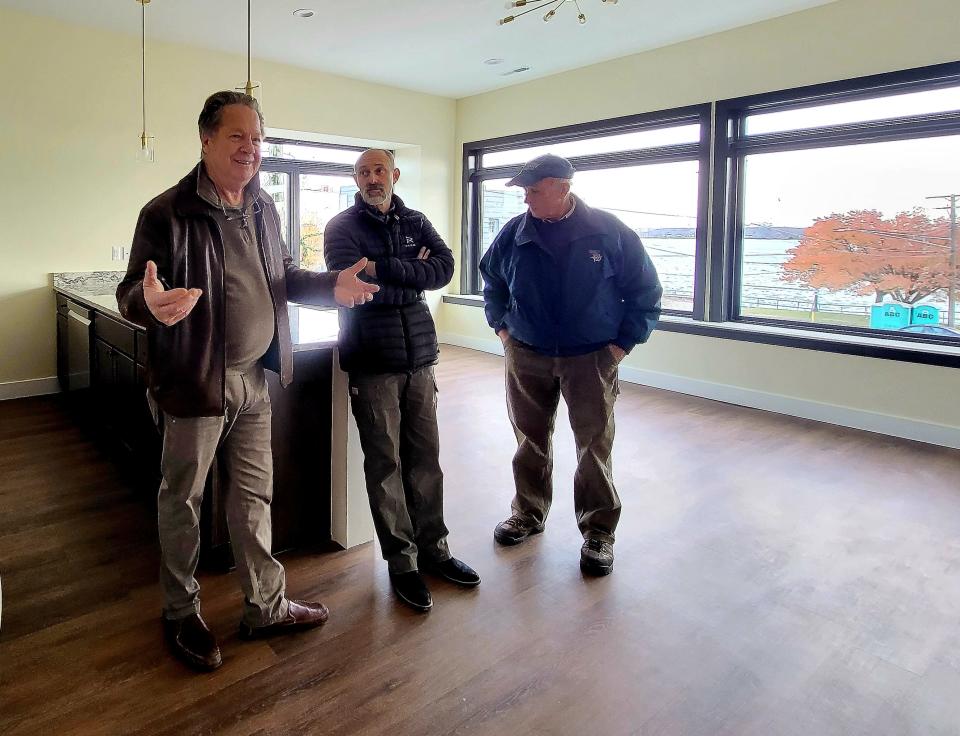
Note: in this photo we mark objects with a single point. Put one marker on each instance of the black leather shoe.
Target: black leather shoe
(192, 642)
(411, 589)
(596, 557)
(515, 529)
(300, 615)
(453, 570)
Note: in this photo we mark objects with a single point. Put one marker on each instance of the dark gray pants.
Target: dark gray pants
(396, 415)
(589, 385)
(241, 441)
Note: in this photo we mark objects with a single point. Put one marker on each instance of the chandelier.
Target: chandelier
(553, 5)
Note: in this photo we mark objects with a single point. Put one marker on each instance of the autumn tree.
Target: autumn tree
(906, 257)
(311, 246)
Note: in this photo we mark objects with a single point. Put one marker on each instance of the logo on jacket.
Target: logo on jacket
(595, 255)
(408, 241)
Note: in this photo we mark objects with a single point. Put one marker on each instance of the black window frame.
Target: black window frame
(294, 168)
(474, 174)
(721, 151)
(732, 145)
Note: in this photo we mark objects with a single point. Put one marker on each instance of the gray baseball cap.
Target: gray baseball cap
(546, 166)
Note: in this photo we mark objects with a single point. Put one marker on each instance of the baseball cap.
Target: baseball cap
(546, 166)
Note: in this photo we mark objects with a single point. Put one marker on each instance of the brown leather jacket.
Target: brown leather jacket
(186, 361)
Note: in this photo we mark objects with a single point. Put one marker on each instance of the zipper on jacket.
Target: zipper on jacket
(223, 319)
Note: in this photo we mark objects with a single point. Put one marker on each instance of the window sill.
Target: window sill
(868, 347)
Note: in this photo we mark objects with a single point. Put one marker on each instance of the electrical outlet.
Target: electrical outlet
(119, 253)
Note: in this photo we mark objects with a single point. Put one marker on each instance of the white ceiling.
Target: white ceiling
(434, 46)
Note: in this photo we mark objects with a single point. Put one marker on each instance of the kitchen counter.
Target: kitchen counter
(310, 327)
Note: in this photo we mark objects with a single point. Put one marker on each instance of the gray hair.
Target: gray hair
(387, 152)
(212, 112)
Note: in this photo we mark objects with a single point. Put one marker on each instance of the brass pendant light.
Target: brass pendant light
(148, 143)
(251, 88)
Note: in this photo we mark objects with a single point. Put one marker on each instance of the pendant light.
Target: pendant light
(251, 88)
(148, 143)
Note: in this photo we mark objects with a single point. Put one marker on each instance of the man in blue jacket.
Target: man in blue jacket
(570, 291)
(389, 348)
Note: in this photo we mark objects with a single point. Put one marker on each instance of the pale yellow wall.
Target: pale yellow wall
(69, 131)
(845, 39)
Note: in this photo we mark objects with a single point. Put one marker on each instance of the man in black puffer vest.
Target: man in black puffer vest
(389, 348)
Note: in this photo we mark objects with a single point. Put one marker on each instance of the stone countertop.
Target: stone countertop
(310, 328)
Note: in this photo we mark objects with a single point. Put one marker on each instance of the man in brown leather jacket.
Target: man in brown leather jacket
(209, 279)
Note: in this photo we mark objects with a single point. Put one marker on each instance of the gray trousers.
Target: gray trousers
(396, 415)
(589, 385)
(241, 442)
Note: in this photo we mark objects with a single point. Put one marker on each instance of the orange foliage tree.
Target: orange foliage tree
(311, 246)
(906, 257)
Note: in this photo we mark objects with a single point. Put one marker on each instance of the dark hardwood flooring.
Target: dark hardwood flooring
(774, 576)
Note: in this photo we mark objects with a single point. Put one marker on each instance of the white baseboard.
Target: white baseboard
(911, 429)
(31, 387)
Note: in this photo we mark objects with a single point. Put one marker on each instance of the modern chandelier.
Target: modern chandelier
(553, 5)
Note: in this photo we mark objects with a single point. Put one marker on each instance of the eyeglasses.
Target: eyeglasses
(243, 214)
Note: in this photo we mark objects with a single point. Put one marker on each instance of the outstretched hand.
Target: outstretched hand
(351, 291)
(167, 306)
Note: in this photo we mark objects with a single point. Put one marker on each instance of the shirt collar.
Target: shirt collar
(573, 206)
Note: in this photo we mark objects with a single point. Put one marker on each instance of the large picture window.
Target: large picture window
(843, 211)
(309, 183)
(834, 210)
(650, 171)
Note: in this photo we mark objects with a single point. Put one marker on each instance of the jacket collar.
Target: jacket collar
(188, 203)
(583, 223)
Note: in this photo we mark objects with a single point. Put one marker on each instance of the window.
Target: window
(309, 183)
(834, 209)
(648, 170)
(844, 208)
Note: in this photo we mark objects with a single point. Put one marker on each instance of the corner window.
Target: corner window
(309, 183)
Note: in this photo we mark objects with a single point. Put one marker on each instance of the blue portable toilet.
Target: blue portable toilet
(924, 314)
(889, 316)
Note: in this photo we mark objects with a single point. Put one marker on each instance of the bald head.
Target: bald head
(375, 174)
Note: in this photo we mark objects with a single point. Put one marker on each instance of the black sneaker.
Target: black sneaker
(596, 557)
(192, 642)
(453, 570)
(411, 589)
(515, 529)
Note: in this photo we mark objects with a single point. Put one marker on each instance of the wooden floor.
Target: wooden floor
(774, 576)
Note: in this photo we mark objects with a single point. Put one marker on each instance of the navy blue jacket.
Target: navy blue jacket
(609, 291)
(395, 332)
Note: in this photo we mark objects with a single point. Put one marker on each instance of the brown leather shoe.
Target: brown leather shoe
(192, 642)
(300, 615)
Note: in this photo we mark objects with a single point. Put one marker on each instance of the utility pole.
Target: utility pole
(952, 281)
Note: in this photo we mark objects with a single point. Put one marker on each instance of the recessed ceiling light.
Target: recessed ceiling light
(303, 13)
(492, 62)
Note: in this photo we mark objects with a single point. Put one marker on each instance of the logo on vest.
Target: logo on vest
(595, 255)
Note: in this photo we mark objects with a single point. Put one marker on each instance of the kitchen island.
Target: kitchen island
(319, 497)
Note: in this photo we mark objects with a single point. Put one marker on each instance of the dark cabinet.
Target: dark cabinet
(73, 344)
(120, 391)
(116, 356)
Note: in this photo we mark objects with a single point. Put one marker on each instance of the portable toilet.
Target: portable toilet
(889, 316)
(924, 314)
